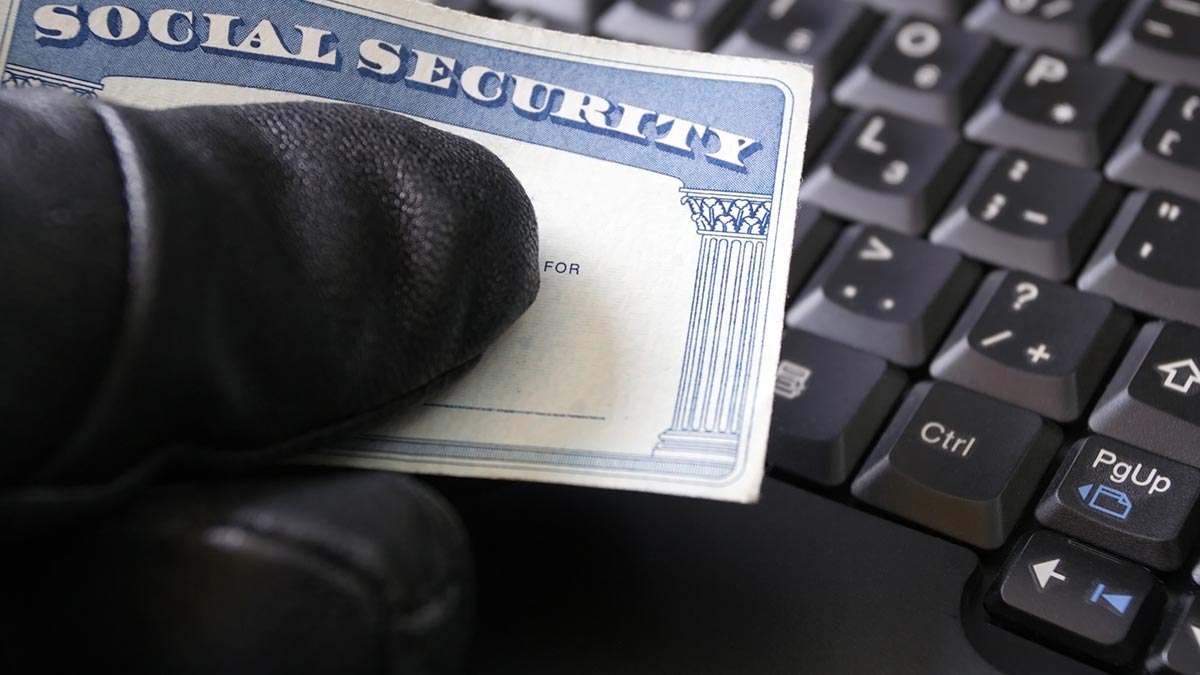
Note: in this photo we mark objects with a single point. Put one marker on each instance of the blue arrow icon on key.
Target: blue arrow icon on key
(1118, 602)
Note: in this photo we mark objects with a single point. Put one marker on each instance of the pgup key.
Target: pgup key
(1126, 500)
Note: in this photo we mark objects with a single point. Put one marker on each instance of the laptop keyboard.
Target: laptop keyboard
(993, 324)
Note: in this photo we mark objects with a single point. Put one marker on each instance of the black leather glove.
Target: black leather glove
(198, 289)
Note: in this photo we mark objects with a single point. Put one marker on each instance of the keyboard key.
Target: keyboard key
(823, 118)
(577, 15)
(473, 6)
(1153, 401)
(1162, 147)
(923, 71)
(681, 24)
(1094, 605)
(942, 10)
(818, 32)
(1177, 651)
(1035, 344)
(1147, 261)
(829, 401)
(1018, 211)
(528, 18)
(959, 463)
(815, 231)
(1156, 39)
(1070, 27)
(888, 171)
(1124, 500)
(1057, 107)
(884, 293)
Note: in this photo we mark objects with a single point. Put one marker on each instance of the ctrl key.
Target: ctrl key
(1097, 606)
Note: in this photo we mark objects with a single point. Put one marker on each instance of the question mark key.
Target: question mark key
(1033, 343)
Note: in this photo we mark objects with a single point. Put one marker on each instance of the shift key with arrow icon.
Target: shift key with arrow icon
(1085, 601)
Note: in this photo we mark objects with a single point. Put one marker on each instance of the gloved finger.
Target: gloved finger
(231, 282)
(315, 573)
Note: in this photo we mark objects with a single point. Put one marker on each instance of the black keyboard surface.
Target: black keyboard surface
(994, 307)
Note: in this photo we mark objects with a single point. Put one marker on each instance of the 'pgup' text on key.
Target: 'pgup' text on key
(1121, 471)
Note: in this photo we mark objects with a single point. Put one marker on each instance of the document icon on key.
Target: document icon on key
(1106, 500)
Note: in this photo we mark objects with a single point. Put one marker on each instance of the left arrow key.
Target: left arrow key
(1045, 571)
(1085, 601)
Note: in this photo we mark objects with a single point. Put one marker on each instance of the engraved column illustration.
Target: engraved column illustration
(725, 318)
(20, 77)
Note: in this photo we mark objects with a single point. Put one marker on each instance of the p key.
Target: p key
(888, 171)
(1057, 107)
(1162, 147)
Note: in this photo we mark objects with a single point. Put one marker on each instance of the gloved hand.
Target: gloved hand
(200, 290)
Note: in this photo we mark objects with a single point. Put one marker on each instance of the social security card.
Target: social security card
(664, 182)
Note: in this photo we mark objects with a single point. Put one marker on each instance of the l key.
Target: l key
(888, 171)
(1162, 147)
